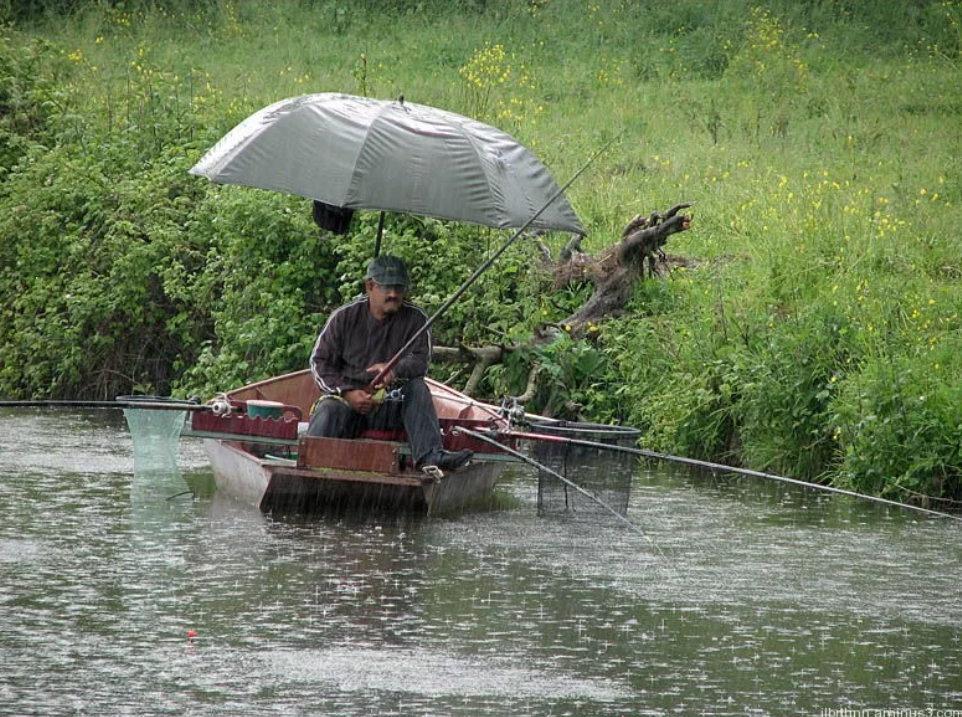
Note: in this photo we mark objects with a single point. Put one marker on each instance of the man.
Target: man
(357, 342)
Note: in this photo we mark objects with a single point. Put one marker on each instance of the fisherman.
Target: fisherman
(356, 344)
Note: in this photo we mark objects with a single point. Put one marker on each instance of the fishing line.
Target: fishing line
(731, 469)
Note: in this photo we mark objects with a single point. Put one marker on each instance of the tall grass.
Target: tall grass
(816, 332)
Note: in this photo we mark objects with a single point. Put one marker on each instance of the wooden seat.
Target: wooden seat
(379, 434)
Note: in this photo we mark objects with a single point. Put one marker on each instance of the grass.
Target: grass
(820, 143)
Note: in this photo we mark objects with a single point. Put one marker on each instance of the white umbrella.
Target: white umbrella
(361, 153)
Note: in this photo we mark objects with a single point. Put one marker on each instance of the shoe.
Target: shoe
(448, 460)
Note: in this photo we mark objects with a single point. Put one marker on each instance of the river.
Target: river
(123, 594)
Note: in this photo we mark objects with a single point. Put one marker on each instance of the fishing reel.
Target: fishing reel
(512, 410)
(221, 406)
(384, 396)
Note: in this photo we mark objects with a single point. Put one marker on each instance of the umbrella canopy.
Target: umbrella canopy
(361, 153)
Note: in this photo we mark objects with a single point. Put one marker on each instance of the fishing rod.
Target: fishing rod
(530, 461)
(155, 405)
(727, 469)
(389, 366)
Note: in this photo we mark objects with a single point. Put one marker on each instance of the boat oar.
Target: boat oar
(727, 469)
(389, 366)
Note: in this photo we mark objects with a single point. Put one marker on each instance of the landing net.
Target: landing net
(155, 435)
(605, 474)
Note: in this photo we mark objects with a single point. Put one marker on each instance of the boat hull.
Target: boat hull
(275, 485)
(264, 462)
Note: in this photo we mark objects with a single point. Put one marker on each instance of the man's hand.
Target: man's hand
(376, 369)
(360, 400)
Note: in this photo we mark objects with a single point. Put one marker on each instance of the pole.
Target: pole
(380, 232)
(729, 469)
(389, 366)
(171, 405)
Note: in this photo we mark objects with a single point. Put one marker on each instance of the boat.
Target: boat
(255, 439)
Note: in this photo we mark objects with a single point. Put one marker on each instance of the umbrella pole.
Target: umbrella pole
(380, 232)
(389, 366)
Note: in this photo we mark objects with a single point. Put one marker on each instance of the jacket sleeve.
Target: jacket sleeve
(327, 362)
(415, 363)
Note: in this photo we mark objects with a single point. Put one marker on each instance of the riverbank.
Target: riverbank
(817, 337)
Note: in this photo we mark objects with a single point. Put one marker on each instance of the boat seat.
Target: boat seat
(370, 433)
(384, 435)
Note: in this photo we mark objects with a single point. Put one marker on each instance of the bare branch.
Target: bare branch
(532, 387)
(482, 358)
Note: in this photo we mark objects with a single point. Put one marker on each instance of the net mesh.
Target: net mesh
(155, 435)
(157, 478)
(603, 473)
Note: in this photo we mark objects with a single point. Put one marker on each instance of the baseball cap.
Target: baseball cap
(387, 271)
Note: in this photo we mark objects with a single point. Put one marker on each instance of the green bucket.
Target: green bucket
(264, 409)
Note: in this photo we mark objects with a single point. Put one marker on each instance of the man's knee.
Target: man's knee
(332, 419)
(416, 389)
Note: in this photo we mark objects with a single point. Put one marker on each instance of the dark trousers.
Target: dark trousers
(416, 414)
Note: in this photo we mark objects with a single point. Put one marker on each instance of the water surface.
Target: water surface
(739, 598)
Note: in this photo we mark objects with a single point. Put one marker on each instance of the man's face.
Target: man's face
(385, 298)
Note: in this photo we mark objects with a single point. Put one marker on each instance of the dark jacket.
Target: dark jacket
(352, 340)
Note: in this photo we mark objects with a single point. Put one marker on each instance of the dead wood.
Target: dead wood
(482, 357)
(612, 274)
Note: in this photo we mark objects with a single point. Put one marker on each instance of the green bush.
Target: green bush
(28, 98)
(266, 281)
(898, 428)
